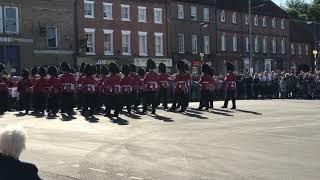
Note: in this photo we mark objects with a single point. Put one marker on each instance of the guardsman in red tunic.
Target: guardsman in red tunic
(207, 86)
(24, 89)
(127, 83)
(53, 88)
(78, 85)
(164, 85)
(34, 77)
(88, 92)
(230, 87)
(136, 86)
(141, 74)
(151, 87)
(67, 82)
(181, 87)
(211, 95)
(40, 92)
(101, 86)
(113, 90)
(4, 91)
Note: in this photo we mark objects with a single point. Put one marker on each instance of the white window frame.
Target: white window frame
(110, 32)
(256, 44)
(181, 43)
(194, 44)
(57, 37)
(234, 17)
(143, 52)
(264, 21)
(235, 42)
(246, 18)
(307, 49)
(223, 42)
(247, 44)
(292, 48)
(264, 44)
(282, 24)
(206, 44)
(273, 22)
(206, 14)
(193, 10)
(1, 20)
(123, 32)
(140, 10)
(274, 46)
(283, 46)
(157, 34)
(256, 20)
(92, 3)
(91, 31)
(17, 20)
(223, 16)
(155, 11)
(104, 11)
(180, 11)
(129, 15)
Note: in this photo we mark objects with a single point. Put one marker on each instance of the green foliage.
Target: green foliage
(301, 10)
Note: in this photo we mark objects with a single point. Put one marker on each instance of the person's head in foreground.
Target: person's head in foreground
(12, 143)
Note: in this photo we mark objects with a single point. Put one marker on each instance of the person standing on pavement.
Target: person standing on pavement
(151, 87)
(88, 92)
(230, 87)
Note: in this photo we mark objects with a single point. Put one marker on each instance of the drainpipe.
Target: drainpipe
(76, 33)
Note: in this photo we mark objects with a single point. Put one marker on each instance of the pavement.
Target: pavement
(263, 140)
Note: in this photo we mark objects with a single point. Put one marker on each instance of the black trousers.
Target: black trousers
(230, 94)
(67, 103)
(206, 97)
(41, 101)
(4, 101)
(113, 102)
(53, 104)
(163, 97)
(89, 103)
(150, 98)
(25, 101)
(182, 99)
(127, 100)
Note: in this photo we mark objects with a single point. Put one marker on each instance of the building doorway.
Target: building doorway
(268, 65)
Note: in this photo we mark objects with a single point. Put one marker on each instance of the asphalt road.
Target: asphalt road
(263, 140)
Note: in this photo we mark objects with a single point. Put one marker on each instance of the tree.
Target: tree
(298, 9)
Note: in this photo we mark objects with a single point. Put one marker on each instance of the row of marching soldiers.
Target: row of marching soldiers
(47, 90)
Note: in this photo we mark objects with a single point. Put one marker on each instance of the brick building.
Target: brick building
(36, 33)
(270, 35)
(123, 31)
(192, 31)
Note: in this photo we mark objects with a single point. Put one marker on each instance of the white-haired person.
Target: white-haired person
(12, 143)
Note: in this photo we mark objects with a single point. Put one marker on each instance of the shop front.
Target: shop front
(95, 60)
(142, 63)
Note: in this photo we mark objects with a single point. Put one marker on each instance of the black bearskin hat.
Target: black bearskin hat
(65, 67)
(114, 68)
(133, 68)
(88, 69)
(81, 70)
(97, 69)
(52, 71)
(141, 72)
(162, 68)
(34, 70)
(42, 71)
(2, 67)
(151, 64)
(125, 70)
(25, 73)
(205, 68)
(181, 66)
(230, 67)
(211, 72)
(104, 70)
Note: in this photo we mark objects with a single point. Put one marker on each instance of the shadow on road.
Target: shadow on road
(193, 115)
(133, 116)
(250, 112)
(222, 110)
(67, 118)
(20, 114)
(120, 121)
(220, 113)
(92, 119)
(163, 118)
(194, 110)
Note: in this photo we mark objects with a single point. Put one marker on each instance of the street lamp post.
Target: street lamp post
(250, 39)
(314, 52)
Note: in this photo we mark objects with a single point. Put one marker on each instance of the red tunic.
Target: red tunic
(164, 80)
(151, 82)
(136, 83)
(127, 84)
(230, 82)
(67, 82)
(182, 81)
(53, 86)
(40, 85)
(88, 84)
(206, 82)
(4, 83)
(113, 84)
(25, 85)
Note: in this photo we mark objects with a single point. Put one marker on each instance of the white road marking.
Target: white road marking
(76, 165)
(137, 178)
(120, 174)
(98, 170)
(61, 162)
